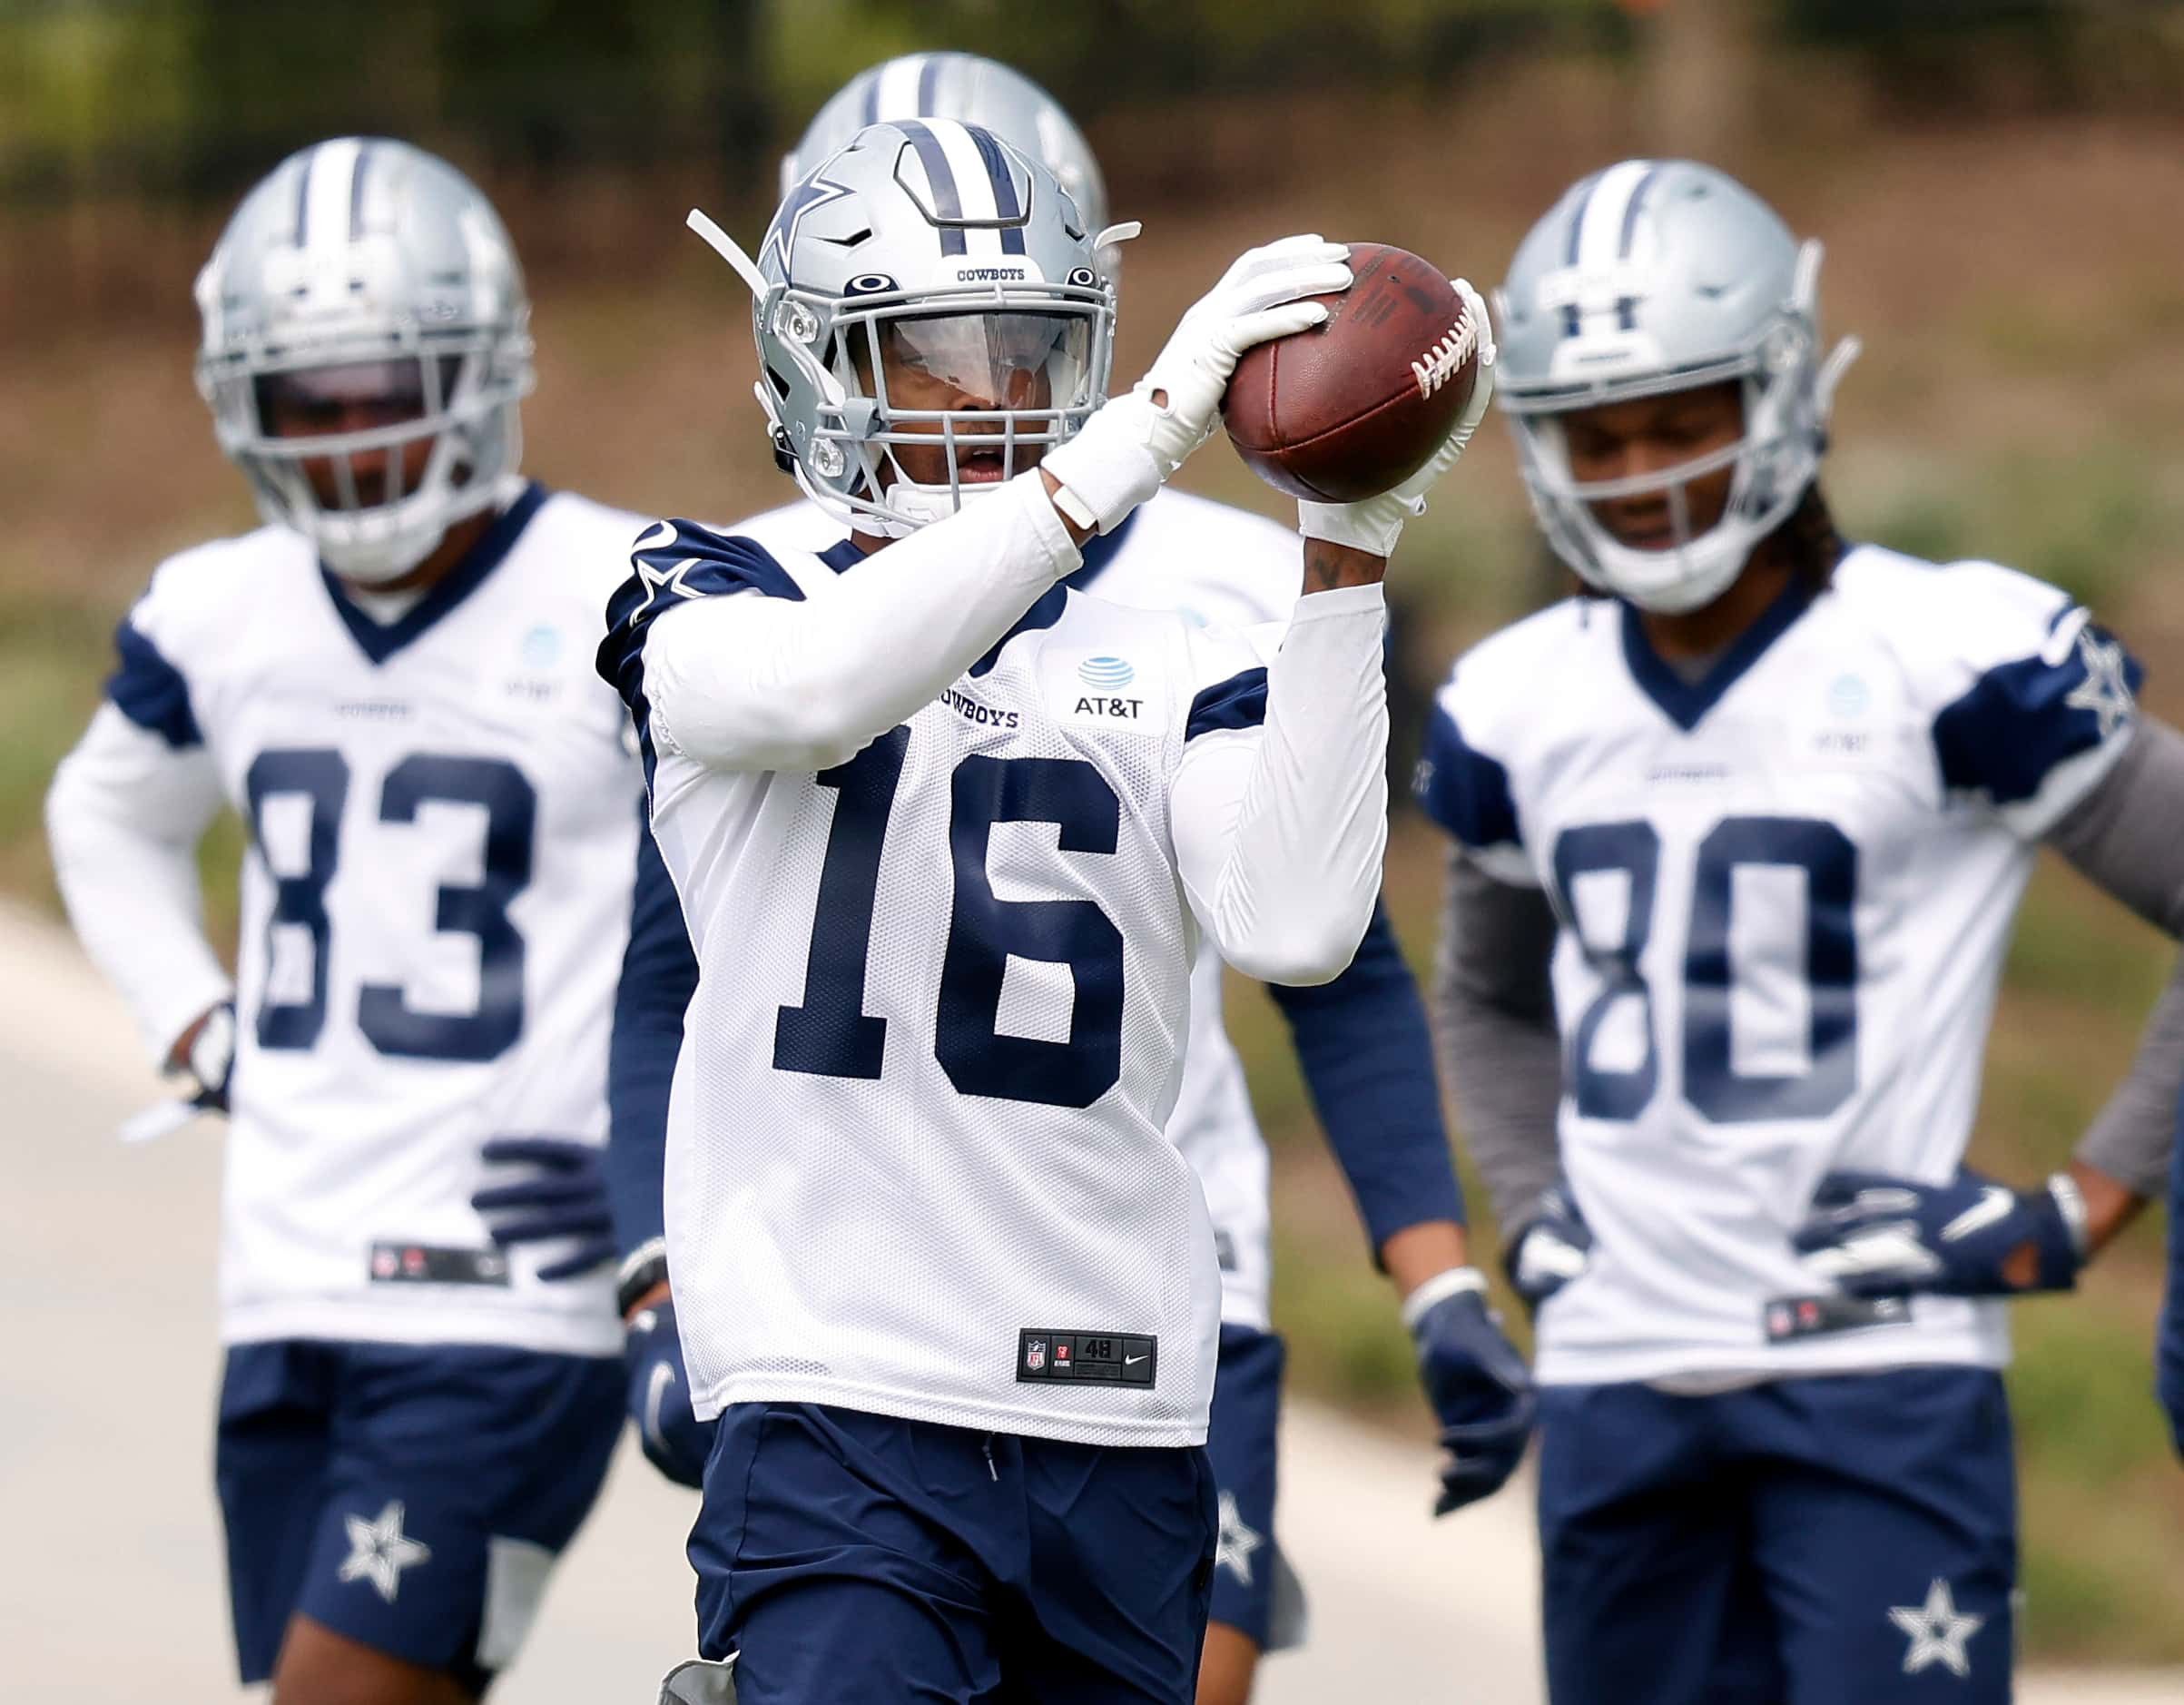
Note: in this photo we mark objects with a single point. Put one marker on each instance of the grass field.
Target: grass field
(2023, 397)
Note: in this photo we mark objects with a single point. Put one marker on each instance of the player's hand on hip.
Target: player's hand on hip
(675, 1441)
(1551, 1248)
(206, 1053)
(1136, 441)
(1876, 1235)
(1375, 524)
(1481, 1390)
(560, 1194)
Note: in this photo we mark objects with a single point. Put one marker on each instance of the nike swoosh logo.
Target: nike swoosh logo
(1132, 1361)
(662, 1377)
(1994, 1204)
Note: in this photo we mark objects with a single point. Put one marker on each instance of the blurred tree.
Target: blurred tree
(1701, 62)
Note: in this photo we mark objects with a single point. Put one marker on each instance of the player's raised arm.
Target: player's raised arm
(1282, 798)
(806, 676)
(124, 815)
(791, 680)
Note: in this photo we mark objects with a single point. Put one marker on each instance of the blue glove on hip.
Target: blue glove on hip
(1554, 1248)
(565, 1197)
(1876, 1235)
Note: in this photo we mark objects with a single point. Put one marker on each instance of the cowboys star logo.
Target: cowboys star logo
(380, 1551)
(1937, 1630)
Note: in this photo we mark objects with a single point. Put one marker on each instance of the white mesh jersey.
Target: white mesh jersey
(1785, 893)
(444, 812)
(916, 1152)
(1223, 568)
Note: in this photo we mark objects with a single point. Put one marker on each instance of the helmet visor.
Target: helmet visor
(995, 360)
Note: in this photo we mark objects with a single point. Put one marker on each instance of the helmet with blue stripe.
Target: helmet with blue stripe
(368, 269)
(971, 90)
(1655, 276)
(930, 321)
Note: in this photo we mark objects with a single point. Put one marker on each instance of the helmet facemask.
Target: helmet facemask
(370, 522)
(1019, 369)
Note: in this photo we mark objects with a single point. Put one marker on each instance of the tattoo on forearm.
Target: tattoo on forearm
(1329, 566)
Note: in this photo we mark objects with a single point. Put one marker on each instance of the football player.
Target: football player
(946, 833)
(1361, 1040)
(390, 681)
(1740, 832)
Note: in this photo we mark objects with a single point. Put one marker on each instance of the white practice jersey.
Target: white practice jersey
(1216, 566)
(444, 812)
(916, 1160)
(1785, 893)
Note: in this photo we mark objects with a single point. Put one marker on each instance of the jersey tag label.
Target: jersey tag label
(424, 1264)
(1085, 1359)
(1786, 1319)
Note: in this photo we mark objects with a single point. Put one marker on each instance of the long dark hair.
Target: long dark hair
(1808, 541)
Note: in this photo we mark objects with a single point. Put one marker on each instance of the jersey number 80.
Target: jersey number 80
(1711, 1083)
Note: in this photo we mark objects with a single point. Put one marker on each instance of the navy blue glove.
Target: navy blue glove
(676, 1441)
(564, 1197)
(1554, 1246)
(210, 1060)
(1876, 1235)
(1477, 1383)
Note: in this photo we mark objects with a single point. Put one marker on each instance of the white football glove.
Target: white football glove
(1374, 525)
(1130, 446)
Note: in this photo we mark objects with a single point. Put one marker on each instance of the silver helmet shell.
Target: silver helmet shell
(361, 250)
(971, 90)
(1655, 276)
(911, 223)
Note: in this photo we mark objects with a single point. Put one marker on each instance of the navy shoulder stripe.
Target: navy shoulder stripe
(1239, 702)
(1463, 789)
(2021, 719)
(150, 691)
(674, 563)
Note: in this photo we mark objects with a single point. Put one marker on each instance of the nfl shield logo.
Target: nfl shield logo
(1035, 1354)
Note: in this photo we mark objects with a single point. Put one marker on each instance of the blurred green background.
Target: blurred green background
(1999, 182)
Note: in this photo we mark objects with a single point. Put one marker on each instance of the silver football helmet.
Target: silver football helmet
(937, 252)
(1655, 276)
(970, 90)
(367, 271)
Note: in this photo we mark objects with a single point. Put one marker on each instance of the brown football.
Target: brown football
(1354, 407)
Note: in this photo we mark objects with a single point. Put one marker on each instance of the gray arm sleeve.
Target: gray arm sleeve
(2123, 837)
(1494, 1029)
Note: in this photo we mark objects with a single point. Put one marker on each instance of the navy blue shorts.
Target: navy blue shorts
(847, 1556)
(1255, 1592)
(412, 1498)
(2169, 1350)
(1842, 1541)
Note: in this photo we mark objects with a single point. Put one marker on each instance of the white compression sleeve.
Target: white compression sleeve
(123, 818)
(753, 683)
(1280, 831)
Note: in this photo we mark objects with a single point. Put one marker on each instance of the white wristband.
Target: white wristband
(1075, 508)
(1455, 1282)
